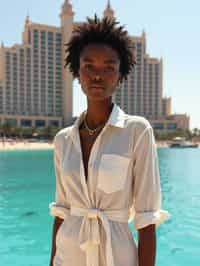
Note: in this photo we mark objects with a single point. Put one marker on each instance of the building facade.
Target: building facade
(36, 90)
(142, 93)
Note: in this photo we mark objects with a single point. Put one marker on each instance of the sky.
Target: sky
(172, 33)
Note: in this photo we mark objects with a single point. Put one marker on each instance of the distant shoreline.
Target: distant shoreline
(25, 144)
(40, 145)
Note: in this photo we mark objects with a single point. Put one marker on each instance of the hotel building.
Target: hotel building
(36, 90)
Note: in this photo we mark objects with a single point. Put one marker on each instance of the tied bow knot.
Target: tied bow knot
(93, 213)
(89, 235)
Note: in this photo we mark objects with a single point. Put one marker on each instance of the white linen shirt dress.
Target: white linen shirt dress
(123, 184)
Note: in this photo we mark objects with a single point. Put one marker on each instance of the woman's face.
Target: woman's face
(99, 71)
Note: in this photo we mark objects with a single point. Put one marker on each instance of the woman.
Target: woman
(105, 163)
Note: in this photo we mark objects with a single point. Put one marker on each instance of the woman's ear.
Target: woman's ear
(78, 77)
(119, 80)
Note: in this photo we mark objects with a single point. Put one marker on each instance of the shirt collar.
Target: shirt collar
(116, 119)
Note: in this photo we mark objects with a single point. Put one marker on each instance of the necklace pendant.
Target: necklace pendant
(91, 132)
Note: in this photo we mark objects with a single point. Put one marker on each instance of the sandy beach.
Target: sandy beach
(11, 144)
(24, 145)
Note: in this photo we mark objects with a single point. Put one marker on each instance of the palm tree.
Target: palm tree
(18, 131)
(7, 128)
(195, 131)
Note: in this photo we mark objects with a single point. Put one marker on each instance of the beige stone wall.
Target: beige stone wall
(2, 64)
(67, 25)
(32, 118)
(181, 121)
(167, 106)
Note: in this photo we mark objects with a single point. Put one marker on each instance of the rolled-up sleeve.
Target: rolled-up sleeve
(58, 208)
(147, 196)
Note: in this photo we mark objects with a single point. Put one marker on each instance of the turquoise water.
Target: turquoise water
(27, 186)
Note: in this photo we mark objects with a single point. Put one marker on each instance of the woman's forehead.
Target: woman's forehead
(101, 50)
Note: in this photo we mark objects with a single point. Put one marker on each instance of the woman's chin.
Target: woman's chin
(96, 93)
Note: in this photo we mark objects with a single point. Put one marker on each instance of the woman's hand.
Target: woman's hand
(57, 223)
(147, 245)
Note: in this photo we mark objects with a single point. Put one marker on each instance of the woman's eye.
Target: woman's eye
(88, 67)
(110, 69)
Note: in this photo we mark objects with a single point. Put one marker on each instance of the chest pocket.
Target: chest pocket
(112, 173)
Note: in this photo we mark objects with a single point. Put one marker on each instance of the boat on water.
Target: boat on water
(180, 142)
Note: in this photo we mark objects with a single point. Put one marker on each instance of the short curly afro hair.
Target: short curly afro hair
(103, 31)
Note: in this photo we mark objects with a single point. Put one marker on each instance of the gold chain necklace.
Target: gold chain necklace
(91, 131)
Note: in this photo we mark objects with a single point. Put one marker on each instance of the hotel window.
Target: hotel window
(58, 86)
(35, 51)
(43, 58)
(50, 76)
(58, 61)
(158, 126)
(26, 122)
(43, 34)
(43, 66)
(58, 36)
(50, 52)
(50, 47)
(50, 62)
(50, 35)
(58, 53)
(58, 78)
(54, 123)
(43, 48)
(35, 46)
(58, 50)
(172, 126)
(8, 62)
(58, 75)
(58, 67)
(139, 45)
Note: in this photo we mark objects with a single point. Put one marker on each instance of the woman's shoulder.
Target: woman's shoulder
(138, 126)
(137, 122)
(61, 134)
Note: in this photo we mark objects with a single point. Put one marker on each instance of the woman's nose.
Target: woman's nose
(97, 75)
(97, 78)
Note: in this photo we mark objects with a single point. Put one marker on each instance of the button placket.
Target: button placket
(93, 155)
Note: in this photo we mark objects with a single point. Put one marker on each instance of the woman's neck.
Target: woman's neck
(97, 113)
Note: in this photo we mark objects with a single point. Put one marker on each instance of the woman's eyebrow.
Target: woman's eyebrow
(111, 61)
(87, 59)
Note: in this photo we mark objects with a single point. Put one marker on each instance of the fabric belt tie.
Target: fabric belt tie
(89, 234)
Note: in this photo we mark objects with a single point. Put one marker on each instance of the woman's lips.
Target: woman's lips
(96, 87)
(96, 90)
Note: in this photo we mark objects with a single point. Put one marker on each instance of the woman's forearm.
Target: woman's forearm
(57, 222)
(147, 246)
